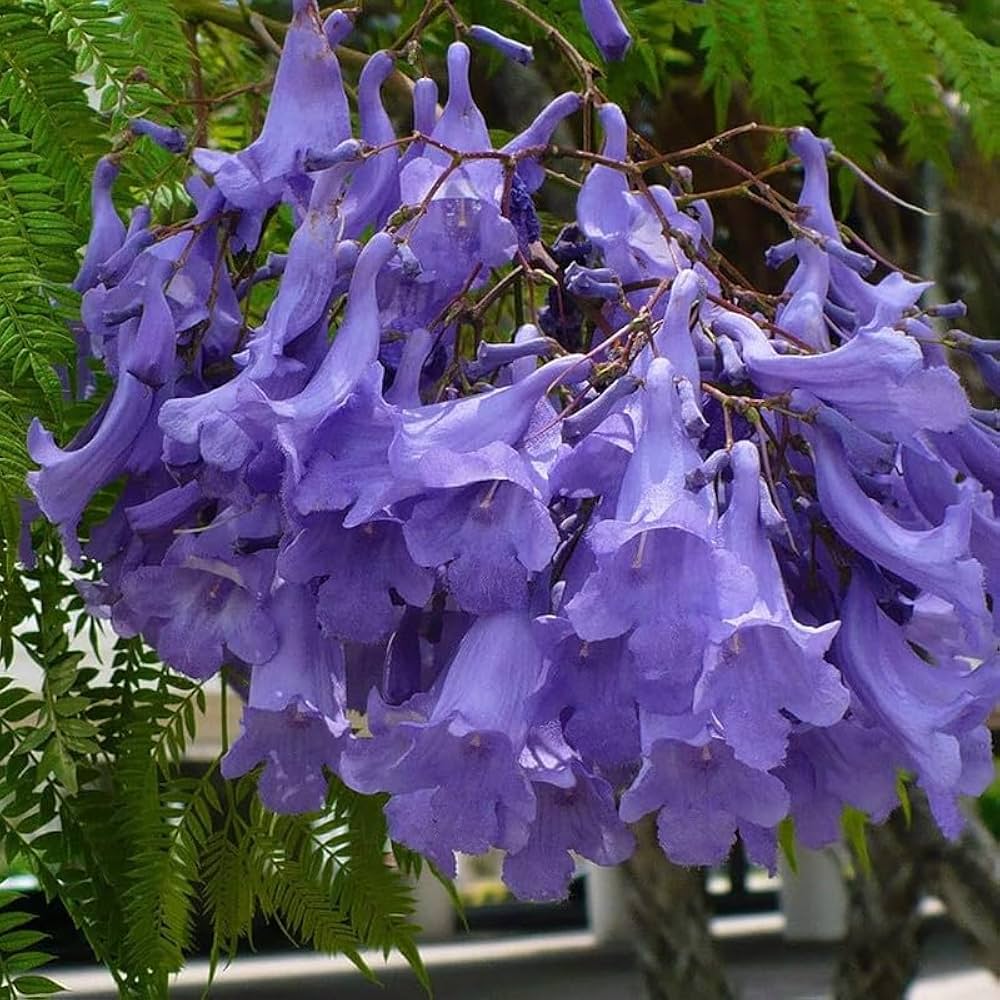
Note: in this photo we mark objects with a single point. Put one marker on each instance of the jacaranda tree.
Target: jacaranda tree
(510, 527)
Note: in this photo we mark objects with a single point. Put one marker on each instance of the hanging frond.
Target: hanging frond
(41, 98)
(839, 64)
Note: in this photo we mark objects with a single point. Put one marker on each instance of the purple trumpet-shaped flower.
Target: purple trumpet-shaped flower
(876, 306)
(229, 425)
(490, 539)
(486, 524)
(575, 812)
(450, 758)
(347, 468)
(936, 559)
(591, 687)
(673, 339)
(107, 231)
(509, 47)
(374, 190)
(294, 721)
(770, 667)
(461, 233)
(590, 417)
(361, 569)
(933, 486)
(606, 28)
(308, 110)
(425, 108)
(926, 709)
(877, 378)
(337, 27)
(149, 352)
(407, 378)
(476, 439)
(602, 206)
(803, 315)
(113, 443)
(309, 415)
(489, 356)
(701, 795)
(867, 453)
(137, 239)
(859, 262)
(317, 263)
(206, 601)
(355, 347)
(733, 370)
(658, 574)
(171, 139)
(539, 134)
(847, 764)
(592, 282)
(344, 152)
(626, 228)
(198, 293)
(974, 450)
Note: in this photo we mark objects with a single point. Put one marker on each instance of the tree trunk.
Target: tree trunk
(881, 950)
(965, 875)
(676, 953)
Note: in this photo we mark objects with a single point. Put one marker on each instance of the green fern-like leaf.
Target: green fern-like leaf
(907, 71)
(774, 54)
(156, 32)
(19, 957)
(967, 63)
(850, 59)
(41, 99)
(845, 81)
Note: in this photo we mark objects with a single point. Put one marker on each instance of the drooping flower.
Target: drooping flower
(591, 687)
(107, 231)
(877, 378)
(450, 758)
(69, 478)
(490, 539)
(509, 47)
(361, 569)
(771, 669)
(661, 532)
(936, 558)
(170, 138)
(924, 708)
(701, 795)
(544, 585)
(206, 601)
(606, 28)
(294, 720)
(308, 112)
(575, 811)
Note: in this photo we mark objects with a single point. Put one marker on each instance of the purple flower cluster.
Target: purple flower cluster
(725, 567)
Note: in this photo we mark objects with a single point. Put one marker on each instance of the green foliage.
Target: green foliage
(811, 62)
(817, 62)
(989, 805)
(18, 961)
(93, 799)
(838, 64)
(786, 841)
(854, 824)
